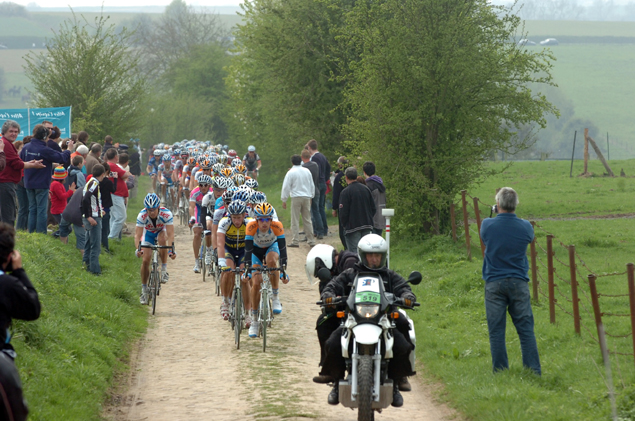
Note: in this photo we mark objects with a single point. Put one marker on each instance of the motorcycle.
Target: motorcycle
(368, 320)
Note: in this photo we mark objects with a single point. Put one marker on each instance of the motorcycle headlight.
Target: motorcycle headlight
(367, 310)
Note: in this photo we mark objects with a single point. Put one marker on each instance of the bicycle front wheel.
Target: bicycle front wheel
(239, 316)
(155, 289)
(264, 312)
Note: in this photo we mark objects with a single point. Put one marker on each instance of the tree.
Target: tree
(176, 32)
(90, 68)
(10, 9)
(437, 89)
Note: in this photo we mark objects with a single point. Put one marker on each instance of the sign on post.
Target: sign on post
(388, 213)
(28, 118)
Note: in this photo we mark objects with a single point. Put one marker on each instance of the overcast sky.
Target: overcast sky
(120, 3)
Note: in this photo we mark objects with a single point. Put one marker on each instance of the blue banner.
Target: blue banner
(19, 115)
(28, 118)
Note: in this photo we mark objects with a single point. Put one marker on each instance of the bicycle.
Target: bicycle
(170, 197)
(154, 280)
(265, 309)
(237, 309)
(253, 174)
(183, 207)
(215, 272)
(201, 253)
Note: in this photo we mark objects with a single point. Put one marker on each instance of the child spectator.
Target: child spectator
(59, 195)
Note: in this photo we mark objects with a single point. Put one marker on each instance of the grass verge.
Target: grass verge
(67, 358)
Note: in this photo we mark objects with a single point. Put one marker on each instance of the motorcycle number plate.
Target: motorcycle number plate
(367, 297)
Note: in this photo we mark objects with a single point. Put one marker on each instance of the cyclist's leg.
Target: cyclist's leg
(272, 262)
(227, 280)
(256, 263)
(148, 239)
(163, 241)
(244, 282)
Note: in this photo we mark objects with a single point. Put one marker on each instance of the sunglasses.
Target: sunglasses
(204, 185)
(265, 219)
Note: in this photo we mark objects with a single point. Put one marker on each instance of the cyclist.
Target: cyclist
(211, 201)
(154, 224)
(231, 243)
(153, 165)
(166, 173)
(264, 243)
(204, 168)
(251, 160)
(198, 214)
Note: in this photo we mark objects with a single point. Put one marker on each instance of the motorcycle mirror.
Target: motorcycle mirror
(414, 278)
(324, 274)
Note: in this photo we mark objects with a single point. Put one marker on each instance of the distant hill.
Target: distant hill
(222, 10)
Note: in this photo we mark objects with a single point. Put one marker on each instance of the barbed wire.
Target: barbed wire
(619, 336)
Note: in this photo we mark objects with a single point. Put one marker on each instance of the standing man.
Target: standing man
(298, 183)
(378, 190)
(92, 212)
(321, 226)
(315, 173)
(12, 173)
(118, 210)
(505, 268)
(339, 182)
(356, 210)
(93, 158)
(135, 169)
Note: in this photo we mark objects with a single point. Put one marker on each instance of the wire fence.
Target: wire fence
(571, 285)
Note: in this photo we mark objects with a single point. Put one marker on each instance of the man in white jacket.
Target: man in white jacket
(298, 184)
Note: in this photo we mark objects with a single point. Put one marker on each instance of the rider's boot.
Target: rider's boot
(334, 396)
(404, 385)
(397, 399)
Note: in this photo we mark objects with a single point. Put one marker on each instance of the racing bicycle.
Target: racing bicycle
(154, 281)
(265, 310)
(237, 308)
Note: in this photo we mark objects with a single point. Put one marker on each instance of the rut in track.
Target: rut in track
(187, 367)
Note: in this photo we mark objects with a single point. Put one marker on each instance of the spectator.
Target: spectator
(356, 210)
(118, 210)
(51, 141)
(18, 300)
(75, 174)
(38, 181)
(107, 189)
(3, 158)
(315, 173)
(93, 158)
(75, 138)
(361, 180)
(320, 225)
(135, 169)
(505, 268)
(59, 195)
(13, 171)
(338, 185)
(298, 184)
(92, 212)
(378, 190)
(83, 151)
(23, 200)
(72, 221)
(82, 137)
(107, 145)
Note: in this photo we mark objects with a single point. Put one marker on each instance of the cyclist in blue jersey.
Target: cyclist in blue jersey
(166, 172)
(153, 165)
(155, 224)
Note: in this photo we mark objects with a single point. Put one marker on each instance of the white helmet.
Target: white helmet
(326, 254)
(251, 148)
(372, 243)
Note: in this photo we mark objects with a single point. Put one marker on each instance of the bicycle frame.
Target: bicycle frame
(154, 280)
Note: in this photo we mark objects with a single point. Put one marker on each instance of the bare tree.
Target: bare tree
(180, 28)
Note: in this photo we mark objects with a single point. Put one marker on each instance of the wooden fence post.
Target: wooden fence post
(552, 298)
(574, 290)
(630, 269)
(465, 224)
(596, 303)
(586, 151)
(534, 269)
(453, 219)
(478, 223)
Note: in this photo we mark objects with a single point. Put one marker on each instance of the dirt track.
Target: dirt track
(187, 367)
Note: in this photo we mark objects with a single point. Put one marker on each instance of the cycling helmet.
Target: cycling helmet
(205, 179)
(241, 169)
(251, 148)
(166, 147)
(226, 172)
(158, 152)
(224, 182)
(372, 243)
(232, 153)
(191, 162)
(236, 207)
(151, 201)
(178, 164)
(184, 155)
(205, 164)
(166, 158)
(177, 151)
(228, 195)
(225, 147)
(321, 256)
(258, 197)
(217, 168)
(236, 162)
(222, 159)
(250, 182)
(242, 195)
(263, 210)
(160, 145)
(239, 179)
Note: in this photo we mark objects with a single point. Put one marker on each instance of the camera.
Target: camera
(493, 211)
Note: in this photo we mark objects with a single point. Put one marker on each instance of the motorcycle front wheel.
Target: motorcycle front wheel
(365, 382)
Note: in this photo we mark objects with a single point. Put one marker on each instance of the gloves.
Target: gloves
(138, 252)
(408, 302)
(172, 254)
(222, 263)
(328, 300)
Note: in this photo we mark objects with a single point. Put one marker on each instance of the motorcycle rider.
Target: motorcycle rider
(325, 263)
(372, 251)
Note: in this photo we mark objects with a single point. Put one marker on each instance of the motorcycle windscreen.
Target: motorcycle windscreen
(367, 290)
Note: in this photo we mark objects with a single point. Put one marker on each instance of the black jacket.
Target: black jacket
(357, 208)
(338, 185)
(393, 282)
(18, 300)
(345, 260)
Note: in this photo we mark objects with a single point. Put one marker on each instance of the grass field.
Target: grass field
(555, 28)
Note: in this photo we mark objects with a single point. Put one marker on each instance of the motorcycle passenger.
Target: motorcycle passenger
(372, 251)
(325, 263)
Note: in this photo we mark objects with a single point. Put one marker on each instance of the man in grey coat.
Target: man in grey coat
(378, 191)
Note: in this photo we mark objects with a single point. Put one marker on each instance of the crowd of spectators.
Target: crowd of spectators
(45, 181)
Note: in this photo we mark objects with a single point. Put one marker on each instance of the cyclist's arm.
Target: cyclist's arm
(169, 229)
(215, 236)
(137, 236)
(249, 248)
(192, 209)
(220, 240)
(259, 165)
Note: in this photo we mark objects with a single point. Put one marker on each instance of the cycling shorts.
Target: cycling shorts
(149, 238)
(259, 255)
(238, 256)
(169, 180)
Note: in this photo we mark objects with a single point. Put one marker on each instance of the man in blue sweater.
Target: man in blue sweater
(37, 181)
(505, 268)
